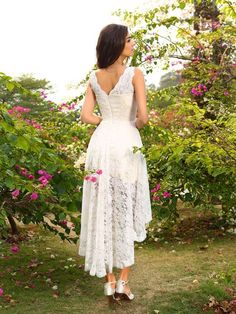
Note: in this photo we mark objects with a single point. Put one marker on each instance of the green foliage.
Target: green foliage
(28, 148)
(190, 140)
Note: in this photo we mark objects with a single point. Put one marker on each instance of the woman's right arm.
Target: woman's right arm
(140, 95)
(87, 115)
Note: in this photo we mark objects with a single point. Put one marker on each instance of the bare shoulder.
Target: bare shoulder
(138, 71)
(138, 76)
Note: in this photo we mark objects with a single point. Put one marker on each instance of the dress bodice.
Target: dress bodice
(119, 104)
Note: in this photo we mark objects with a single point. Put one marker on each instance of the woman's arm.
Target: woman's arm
(140, 94)
(87, 115)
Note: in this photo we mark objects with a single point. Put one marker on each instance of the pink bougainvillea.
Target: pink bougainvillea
(15, 193)
(15, 248)
(93, 177)
(34, 196)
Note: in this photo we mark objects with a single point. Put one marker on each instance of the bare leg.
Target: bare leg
(111, 277)
(124, 276)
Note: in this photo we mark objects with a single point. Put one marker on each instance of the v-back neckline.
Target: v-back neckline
(108, 94)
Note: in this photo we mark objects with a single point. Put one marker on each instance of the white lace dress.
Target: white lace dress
(116, 207)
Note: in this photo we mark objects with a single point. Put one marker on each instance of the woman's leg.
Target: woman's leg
(124, 273)
(124, 276)
(111, 277)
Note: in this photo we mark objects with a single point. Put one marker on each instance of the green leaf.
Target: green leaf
(10, 86)
(62, 216)
(10, 182)
(182, 5)
(7, 117)
(22, 143)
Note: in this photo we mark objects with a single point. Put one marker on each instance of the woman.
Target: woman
(116, 207)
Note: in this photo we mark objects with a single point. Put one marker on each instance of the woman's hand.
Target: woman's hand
(139, 123)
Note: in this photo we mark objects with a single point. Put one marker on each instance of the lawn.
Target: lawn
(185, 272)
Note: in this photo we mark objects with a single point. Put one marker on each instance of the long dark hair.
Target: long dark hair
(110, 44)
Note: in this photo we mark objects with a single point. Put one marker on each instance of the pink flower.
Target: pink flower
(148, 58)
(154, 190)
(48, 176)
(156, 198)
(87, 178)
(196, 59)
(42, 93)
(21, 109)
(233, 302)
(158, 186)
(44, 175)
(215, 24)
(99, 171)
(34, 196)
(166, 194)
(37, 126)
(15, 249)
(63, 222)
(1, 292)
(41, 171)
(15, 193)
(24, 172)
(93, 179)
(198, 91)
(43, 180)
(226, 93)
(31, 176)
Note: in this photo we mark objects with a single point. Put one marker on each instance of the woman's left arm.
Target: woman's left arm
(87, 115)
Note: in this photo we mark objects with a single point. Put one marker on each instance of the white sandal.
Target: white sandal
(120, 288)
(108, 290)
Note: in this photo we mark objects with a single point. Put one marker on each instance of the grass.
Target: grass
(177, 274)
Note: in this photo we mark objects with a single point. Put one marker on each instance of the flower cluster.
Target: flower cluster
(65, 106)
(198, 91)
(24, 172)
(93, 177)
(19, 110)
(156, 197)
(43, 94)
(33, 123)
(43, 179)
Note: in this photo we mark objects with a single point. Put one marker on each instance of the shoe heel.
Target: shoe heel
(120, 290)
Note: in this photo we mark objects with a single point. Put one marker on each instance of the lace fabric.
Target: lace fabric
(116, 208)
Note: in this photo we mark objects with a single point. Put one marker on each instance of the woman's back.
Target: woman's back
(117, 103)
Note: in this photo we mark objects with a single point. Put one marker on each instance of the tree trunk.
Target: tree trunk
(13, 225)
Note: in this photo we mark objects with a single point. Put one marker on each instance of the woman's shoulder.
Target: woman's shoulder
(137, 74)
(138, 71)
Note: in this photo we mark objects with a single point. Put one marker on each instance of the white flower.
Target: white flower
(80, 161)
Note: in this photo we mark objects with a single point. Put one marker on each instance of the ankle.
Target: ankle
(111, 278)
